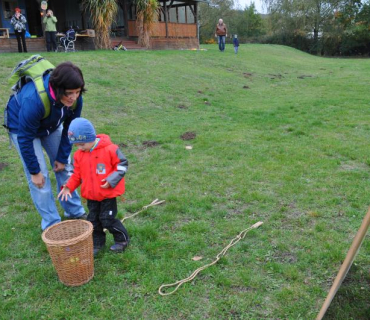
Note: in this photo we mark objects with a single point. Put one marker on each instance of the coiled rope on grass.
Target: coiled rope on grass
(153, 203)
(233, 242)
(177, 284)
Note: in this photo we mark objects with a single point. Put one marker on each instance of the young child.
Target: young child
(236, 43)
(100, 167)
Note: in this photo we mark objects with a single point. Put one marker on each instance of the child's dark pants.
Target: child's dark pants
(102, 214)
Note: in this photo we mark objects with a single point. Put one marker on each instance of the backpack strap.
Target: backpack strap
(39, 84)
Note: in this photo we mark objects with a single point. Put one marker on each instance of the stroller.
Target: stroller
(68, 41)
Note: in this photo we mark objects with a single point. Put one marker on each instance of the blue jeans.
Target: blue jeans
(221, 42)
(43, 198)
(236, 49)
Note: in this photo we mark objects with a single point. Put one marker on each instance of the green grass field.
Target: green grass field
(280, 137)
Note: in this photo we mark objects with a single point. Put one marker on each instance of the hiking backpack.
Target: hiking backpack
(32, 69)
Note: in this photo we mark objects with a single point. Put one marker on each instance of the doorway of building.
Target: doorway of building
(33, 11)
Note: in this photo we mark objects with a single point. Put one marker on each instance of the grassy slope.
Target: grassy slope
(288, 151)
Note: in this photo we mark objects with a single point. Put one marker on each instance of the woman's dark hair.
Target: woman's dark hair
(66, 76)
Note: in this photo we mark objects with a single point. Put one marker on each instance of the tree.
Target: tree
(210, 13)
(103, 13)
(351, 21)
(246, 23)
(146, 16)
(251, 24)
(310, 18)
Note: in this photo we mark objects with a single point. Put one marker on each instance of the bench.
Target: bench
(4, 33)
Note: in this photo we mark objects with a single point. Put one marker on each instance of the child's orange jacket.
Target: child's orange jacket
(105, 161)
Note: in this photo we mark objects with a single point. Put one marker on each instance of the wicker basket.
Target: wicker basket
(70, 246)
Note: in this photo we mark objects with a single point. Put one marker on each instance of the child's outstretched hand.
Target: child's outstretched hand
(64, 194)
(105, 185)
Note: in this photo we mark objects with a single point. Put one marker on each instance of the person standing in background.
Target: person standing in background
(236, 43)
(221, 34)
(19, 23)
(50, 30)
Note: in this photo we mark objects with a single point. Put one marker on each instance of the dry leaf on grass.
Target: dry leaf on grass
(197, 258)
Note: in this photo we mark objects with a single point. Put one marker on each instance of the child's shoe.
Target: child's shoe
(96, 250)
(82, 217)
(119, 246)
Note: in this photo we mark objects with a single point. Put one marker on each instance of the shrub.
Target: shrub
(210, 41)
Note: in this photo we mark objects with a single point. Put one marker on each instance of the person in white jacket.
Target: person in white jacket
(19, 23)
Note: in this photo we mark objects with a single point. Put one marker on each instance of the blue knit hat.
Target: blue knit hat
(81, 131)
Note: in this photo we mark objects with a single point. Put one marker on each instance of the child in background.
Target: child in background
(100, 167)
(236, 43)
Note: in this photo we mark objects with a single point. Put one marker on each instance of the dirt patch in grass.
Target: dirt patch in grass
(181, 106)
(3, 166)
(150, 143)
(246, 87)
(304, 76)
(190, 135)
(353, 166)
(200, 91)
(290, 210)
(232, 208)
(287, 257)
(276, 76)
(247, 74)
(295, 213)
(207, 102)
(242, 288)
(236, 211)
(233, 212)
(122, 145)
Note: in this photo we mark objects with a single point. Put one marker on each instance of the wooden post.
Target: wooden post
(42, 14)
(356, 244)
(166, 17)
(196, 20)
(125, 17)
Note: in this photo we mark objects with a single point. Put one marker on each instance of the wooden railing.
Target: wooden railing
(4, 33)
(175, 30)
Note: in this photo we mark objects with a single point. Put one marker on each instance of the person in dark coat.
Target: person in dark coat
(236, 43)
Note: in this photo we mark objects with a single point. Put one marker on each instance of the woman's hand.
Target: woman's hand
(38, 179)
(58, 166)
(64, 194)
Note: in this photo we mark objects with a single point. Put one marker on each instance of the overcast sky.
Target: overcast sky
(258, 3)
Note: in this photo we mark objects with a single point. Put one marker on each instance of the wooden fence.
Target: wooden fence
(175, 30)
